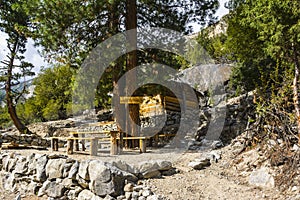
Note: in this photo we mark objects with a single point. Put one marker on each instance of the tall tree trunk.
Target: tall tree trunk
(9, 97)
(295, 91)
(131, 63)
(119, 110)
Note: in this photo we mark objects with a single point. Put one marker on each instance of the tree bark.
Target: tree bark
(131, 63)
(295, 91)
(8, 90)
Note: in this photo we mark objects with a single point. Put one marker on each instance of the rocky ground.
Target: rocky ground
(226, 175)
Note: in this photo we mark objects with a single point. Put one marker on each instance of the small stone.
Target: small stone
(147, 193)
(122, 197)
(128, 195)
(200, 163)
(215, 155)
(138, 188)
(294, 188)
(262, 178)
(135, 195)
(295, 147)
(128, 187)
(108, 197)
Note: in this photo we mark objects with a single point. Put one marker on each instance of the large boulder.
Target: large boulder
(21, 166)
(52, 189)
(83, 170)
(54, 168)
(73, 171)
(100, 178)
(41, 163)
(199, 164)
(152, 169)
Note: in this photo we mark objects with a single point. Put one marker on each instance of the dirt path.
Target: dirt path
(213, 183)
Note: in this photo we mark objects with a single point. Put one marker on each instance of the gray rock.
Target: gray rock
(128, 195)
(164, 165)
(33, 187)
(54, 168)
(295, 147)
(83, 183)
(217, 144)
(199, 164)
(100, 179)
(138, 188)
(66, 169)
(262, 178)
(52, 189)
(151, 169)
(88, 195)
(21, 166)
(10, 164)
(215, 155)
(83, 170)
(147, 193)
(57, 156)
(120, 164)
(31, 164)
(69, 183)
(153, 197)
(98, 171)
(142, 198)
(9, 181)
(73, 171)
(41, 163)
(169, 172)
(119, 173)
(73, 194)
(108, 197)
(135, 195)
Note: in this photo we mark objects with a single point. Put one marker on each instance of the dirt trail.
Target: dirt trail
(213, 183)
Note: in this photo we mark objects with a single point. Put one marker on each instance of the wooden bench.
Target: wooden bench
(70, 143)
(106, 136)
(142, 142)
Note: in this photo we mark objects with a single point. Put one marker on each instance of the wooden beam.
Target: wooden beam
(131, 100)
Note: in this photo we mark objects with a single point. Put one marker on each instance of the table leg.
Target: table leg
(94, 147)
(113, 144)
(143, 145)
(70, 146)
(76, 143)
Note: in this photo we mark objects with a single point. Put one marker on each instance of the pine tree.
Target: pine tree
(13, 68)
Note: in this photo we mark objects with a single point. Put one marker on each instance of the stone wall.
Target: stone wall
(60, 177)
(235, 113)
(24, 139)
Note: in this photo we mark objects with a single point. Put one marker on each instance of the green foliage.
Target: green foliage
(5, 120)
(67, 30)
(52, 93)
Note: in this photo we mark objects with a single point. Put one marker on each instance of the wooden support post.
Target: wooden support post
(54, 144)
(76, 143)
(83, 143)
(143, 145)
(155, 140)
(114, 144)
(94, 147)
(70, 146)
